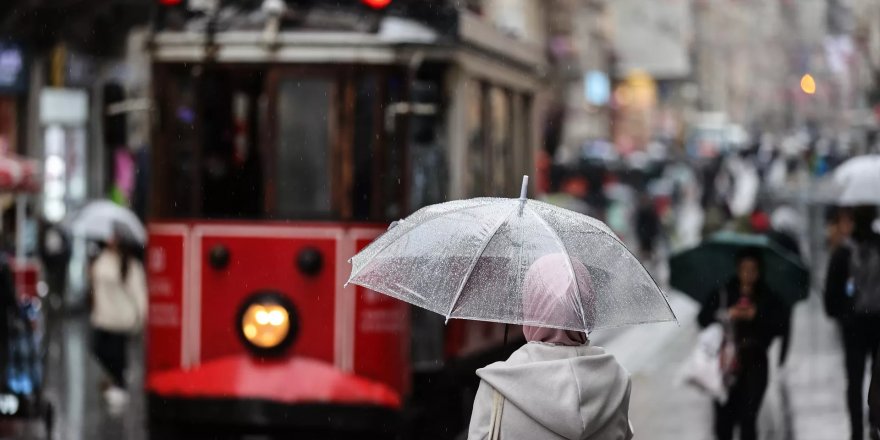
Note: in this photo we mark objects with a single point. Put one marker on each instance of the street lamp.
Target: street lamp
(808, 84)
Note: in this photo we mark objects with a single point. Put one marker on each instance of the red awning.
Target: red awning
(18, 174)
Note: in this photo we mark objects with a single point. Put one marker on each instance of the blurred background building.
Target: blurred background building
(611, 104)
(628, 71)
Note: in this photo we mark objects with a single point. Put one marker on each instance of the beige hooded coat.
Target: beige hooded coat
(554, 392)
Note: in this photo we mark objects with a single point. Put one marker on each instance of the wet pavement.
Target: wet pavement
(804, 400)
(73, 381)
(814, 378)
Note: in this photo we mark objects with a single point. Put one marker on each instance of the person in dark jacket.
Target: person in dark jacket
(860, 331)
(648, 226)
(755, 317)
(55, 253)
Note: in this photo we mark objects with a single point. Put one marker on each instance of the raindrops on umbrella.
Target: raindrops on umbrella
(470, 259)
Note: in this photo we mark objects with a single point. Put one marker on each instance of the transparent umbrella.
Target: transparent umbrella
(102, 219)
(501, 260)
(857, 180)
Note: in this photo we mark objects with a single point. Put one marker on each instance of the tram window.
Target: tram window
(364, 147)
(500, 141)
(476, 157)
(522, 141)
(394, 155)
(180, 117)
(231, 175)
(303, 149)
(427, 152)
(523, 137)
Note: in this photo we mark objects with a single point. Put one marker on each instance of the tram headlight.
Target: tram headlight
(267, 323)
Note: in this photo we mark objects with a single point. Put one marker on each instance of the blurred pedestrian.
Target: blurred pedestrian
(759, 221)
(119, 304)
(852, 297)
(786, 226)
(838, 227)
(648, 226)
(54, 253)
(717, 217)
(556, 385)
(755, 317)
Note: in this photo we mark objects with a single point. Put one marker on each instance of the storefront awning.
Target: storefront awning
(18, 174)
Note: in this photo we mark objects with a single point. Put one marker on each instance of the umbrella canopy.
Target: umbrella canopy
(706, 267)
(857, 181)
(102, 220)
(515, 261)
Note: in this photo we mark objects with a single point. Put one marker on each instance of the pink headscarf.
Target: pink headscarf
(550, 295)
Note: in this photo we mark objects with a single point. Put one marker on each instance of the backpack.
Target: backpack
(864, 281)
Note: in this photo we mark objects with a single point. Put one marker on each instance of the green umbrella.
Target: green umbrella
(701, 270)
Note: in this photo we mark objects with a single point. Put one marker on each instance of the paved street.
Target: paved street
(814, 377)
(73, 382)
(804, 400)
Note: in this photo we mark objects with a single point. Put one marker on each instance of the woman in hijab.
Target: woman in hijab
(556, 386)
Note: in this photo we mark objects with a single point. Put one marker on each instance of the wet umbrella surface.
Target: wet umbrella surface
(470, 259)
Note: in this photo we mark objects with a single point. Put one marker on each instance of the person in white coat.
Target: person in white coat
(119, 305)
(556, 386)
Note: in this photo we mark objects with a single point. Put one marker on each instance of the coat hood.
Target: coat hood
(573, 391)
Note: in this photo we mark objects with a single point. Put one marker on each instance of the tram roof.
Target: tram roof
(396, 42)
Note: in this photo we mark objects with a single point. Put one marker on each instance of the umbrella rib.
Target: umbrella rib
(475, 260)
(570, 267)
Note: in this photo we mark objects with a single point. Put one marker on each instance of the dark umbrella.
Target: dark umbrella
(700, 270)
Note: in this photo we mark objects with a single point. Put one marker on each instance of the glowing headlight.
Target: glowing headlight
(267, 323)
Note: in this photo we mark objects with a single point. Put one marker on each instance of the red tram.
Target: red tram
(276, 157)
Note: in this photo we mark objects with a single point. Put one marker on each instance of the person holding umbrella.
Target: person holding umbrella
(852, 297)
(558, 273)
(852, 284)
(119, 305)
(584, 391)
(755, 316)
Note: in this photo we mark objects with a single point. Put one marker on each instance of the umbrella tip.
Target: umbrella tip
(525, 187)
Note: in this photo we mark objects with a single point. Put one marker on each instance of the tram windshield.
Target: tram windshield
(268, 143)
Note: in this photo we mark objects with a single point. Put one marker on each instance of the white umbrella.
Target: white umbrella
(515, 261)
(858, 181)
(102, 219)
